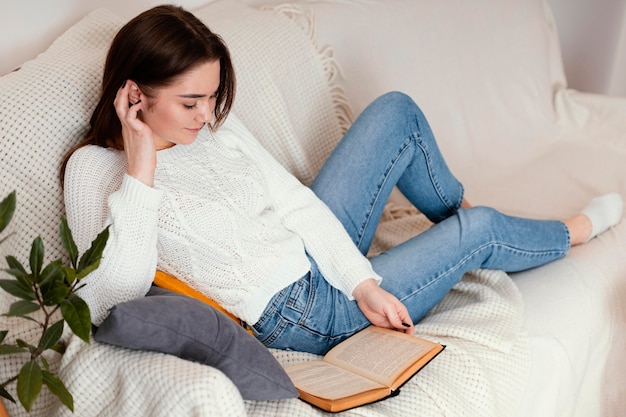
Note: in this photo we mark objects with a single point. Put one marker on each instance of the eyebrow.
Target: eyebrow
(191, 95)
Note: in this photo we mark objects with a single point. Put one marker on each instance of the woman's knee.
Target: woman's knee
(396, 106)
(480, 221)
(398, 101)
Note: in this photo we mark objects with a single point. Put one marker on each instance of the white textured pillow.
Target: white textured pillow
(285, 94)
(44, 110)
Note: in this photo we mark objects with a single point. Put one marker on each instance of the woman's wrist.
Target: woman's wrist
(363, 288)
(145, 177)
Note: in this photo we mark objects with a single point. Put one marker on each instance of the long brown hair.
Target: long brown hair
(154, 49)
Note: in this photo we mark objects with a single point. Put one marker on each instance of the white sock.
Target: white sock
(604, 212)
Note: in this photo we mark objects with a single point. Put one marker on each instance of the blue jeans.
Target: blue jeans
(392, 144)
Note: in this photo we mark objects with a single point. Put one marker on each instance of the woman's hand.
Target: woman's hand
(138, 140)
(382, 308)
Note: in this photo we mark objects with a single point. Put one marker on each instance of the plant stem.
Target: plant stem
(8, 381)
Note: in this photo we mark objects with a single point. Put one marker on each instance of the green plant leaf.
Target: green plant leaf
(7, 208)
(46, 366)
(70, 274)
(14, 264)
(29, 383)
(91, 258)
(52, 335)
(54, 289)
(56, 386)
(88, 270)
(76, 312)
(22, 343)
(18, 274)
(60, 347)
(52, 270)
(21, 308)
(18, 289)
(5, 394)
(54, 293)
(25, 345)
(68, 242)
(17, 270)
(11, 349)
(36, 257)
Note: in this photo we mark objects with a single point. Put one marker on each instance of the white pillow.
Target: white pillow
(44, 110)
(285, 91)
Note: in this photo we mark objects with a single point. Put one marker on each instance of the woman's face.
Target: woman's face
(179, 111)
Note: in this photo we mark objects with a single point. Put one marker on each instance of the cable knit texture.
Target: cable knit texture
(224, 216)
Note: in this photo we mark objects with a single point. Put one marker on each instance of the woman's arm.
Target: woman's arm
(325, 238)
(99, 192)
(302, 212)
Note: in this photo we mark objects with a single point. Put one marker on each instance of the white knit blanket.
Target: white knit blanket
(288, 98)
(479, 374)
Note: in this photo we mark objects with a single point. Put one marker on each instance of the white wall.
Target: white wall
(27, 27)
(592, 32)
(593, 39)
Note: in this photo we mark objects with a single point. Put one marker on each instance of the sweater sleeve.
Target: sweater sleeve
(98, 192)
(302, 212)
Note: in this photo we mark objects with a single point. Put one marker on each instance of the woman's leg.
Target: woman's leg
(419, 272)
(389, 144)
(422, 270)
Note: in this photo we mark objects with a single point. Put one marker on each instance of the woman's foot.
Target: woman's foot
(597, 217)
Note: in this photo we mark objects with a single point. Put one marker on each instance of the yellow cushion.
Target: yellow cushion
(164, 280)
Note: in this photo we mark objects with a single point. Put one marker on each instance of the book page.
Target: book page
(327, 381)
(379, 354)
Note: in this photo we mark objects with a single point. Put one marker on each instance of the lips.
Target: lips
(195, 129)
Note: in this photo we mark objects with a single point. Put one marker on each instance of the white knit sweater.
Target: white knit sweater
(224, 216)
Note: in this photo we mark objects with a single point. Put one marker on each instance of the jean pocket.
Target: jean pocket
(299, 300)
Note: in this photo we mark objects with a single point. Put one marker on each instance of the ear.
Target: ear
(134, 93)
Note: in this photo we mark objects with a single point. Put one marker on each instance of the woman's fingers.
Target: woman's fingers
(401, 320)
(121, 101)
(138, 141)
(382, 308)
(126, 110)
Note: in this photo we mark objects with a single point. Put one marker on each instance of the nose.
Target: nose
(205, 114)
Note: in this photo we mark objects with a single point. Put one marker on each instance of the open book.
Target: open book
(367, 367)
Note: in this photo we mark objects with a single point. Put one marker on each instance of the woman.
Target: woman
(213, 208)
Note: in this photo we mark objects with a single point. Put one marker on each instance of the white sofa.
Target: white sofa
(489, 76)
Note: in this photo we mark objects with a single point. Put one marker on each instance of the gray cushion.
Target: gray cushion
(190, 329)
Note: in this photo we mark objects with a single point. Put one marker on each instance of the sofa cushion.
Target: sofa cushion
(484, 71)
(44, 110)
(287, 92)
(178, 325)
